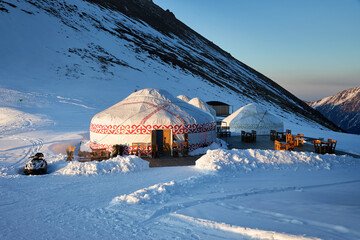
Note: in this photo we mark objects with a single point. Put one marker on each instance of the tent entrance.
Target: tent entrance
(161, 142)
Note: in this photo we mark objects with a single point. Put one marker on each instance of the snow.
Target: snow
(229, 194)
(14, 119)
(252, 233)
(115, 165)
(221, 160)
(219, 143)
(153, 194)
(338, 99)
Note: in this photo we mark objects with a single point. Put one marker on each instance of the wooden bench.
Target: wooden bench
(100, 154)
(141, 149)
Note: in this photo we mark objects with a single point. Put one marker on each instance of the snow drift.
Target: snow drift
(222, 161)
(232, 162)
(115, 165)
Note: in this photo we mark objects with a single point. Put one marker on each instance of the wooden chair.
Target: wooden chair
(70, 153)
(141, 149)
(272, 135)
(332, 145)
(242, 136)
(299, 140)
(319, 147)
(253, 135)
(289, 138)
(290, 141)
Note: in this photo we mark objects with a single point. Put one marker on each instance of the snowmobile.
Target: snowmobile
(36, 166)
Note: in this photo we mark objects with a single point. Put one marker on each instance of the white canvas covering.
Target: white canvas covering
(253, 117)
(197, 102)
(184, 98)
(133, 119)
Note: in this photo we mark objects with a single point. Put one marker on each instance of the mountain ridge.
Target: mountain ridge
(343, 108)
(96, 42)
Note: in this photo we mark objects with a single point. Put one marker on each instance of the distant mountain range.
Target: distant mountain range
(342, 108)
(99, 51)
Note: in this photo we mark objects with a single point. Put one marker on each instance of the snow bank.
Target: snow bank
(114, 165)
(233, 161)
(157, 193)
(229, 160)
(154, 194)
(218, 144)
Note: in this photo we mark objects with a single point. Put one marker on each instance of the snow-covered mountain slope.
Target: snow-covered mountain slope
(342, 108)
(98, 52)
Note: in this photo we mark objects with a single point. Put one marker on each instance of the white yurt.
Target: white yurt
(253, 117)
(134, 120)
(197, 102)
(184, 98)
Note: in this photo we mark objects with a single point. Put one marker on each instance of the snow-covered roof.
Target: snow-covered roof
(184, 98)
(253, 117)
(133, 119)
(197, 102)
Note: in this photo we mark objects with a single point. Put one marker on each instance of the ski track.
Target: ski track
(36, 146)
(130, 217)
(173, 208)
(332, 229)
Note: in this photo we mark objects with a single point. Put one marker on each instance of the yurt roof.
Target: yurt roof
(197, 102)
(151, 107)
(252, 111)
(184, 98)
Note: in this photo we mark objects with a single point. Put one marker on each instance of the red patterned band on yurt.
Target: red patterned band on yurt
(146, 129)
(145, 151)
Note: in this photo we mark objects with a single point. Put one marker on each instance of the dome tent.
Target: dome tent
(133, 119)
(184, 98)
(197, 102)
(253, 117)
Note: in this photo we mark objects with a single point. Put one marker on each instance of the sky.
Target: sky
(309, 47)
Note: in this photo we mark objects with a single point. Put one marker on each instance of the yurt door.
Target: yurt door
(162, 140)
(167, 141)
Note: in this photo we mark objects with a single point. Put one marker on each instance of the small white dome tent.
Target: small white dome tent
(184, 98)
(133, 119)
(197, 102)
(253, 117)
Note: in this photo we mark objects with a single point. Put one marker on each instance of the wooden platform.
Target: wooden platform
(172, 161)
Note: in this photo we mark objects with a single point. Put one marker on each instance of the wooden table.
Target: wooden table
(248, 136)
(322, 147)
(281, 136)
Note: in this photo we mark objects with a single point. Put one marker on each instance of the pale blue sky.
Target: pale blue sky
(310, 47)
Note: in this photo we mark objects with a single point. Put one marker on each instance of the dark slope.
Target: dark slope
(232, 78)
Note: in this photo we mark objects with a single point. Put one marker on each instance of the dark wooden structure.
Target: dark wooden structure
(222, 109)
(248, 137)
(325, 147)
